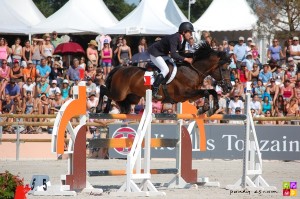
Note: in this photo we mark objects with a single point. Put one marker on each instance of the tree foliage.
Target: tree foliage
(197, 9)
(278, 15)
(48, 7)
(119, 8)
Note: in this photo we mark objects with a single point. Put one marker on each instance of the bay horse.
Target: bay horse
(125, 85)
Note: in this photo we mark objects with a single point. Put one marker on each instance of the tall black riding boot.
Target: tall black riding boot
(156, 85)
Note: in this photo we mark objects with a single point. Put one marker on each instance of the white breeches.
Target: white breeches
(161, 64)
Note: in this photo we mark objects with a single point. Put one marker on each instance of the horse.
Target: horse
(125, 85)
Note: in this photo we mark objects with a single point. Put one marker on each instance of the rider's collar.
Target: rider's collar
(181, 38)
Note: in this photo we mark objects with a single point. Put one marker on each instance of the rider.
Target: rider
(169, 44)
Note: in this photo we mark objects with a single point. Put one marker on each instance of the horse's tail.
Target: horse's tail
(109, 77)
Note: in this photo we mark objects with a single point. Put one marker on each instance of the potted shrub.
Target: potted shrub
(8, 185)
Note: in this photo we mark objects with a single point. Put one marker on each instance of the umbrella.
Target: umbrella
(140, 57)
(69, 48)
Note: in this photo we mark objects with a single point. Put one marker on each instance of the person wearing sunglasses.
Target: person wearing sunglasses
(47, 48)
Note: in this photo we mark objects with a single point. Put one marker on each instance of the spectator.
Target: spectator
(268, 114)
(56, 73)
(49, 61)
(82, 63)
(116, 50)
(7, 104)
(249, 42)
(235, 103)
(4, 76)
(4, 50)
(16, 73)
(286, 50)
(222, 104)
(240, 51)
(273, 90)
(206, 36)
(57, 102)
(275, 51)
(292, 107)
(237, 111)
(287, 90)
(157, 105)
(29, 71)
(214, 44)
(53, 89)
(142, 45)
(13, 90)
(265, 75)
(92, 53)
(36, 51)
(28, 104)
(65, 90)
(254, 73)
(256, 105)
(55, 40)
(295, 50)
(73, 71)
(232, 64)
(290, 73)
(90, 87)
(99, 80)
(266, 105)
(297, 91)
(42, 87)
(43, 70)
(249, 61)
(47, 48)
(260, 89)
(27, 51)
(292, 63)
(92, 101)
(124, 53)
(243, 74)
(43, 104)
(278, 75)
(225, 46)
(237, 89)
(17, 50)
(29, 87)
(255, 54)
(91, 72)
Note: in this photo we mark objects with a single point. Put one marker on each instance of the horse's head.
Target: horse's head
(222, 74)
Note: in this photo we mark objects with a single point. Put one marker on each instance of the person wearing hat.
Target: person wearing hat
(13, 90)
(232, 64)
(92, 101)
(249, 41)
(65, 89)
(234, 103)
(55, 40)
(47, 48)
(29, 71)
(170, 44)
(106, 56)
(92, 53)
(274, 51)
(53, 89)
(295, 50)
(240, 50)
(249, 61)
(291, 63)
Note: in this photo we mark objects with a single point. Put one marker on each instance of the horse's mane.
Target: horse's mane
(204, 51)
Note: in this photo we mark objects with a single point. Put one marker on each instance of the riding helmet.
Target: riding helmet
(186, 26)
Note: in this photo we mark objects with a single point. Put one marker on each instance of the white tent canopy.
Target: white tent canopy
(155, 17)
(78, 16)
(19, 16)
(224, 15)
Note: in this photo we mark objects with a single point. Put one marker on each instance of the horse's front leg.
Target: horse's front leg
(214, 103)
(203, 109)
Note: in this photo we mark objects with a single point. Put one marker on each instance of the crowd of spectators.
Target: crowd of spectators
(34, 81)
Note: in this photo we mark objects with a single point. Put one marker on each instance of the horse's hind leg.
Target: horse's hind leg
(215, 105)
(108, 106)
(125, 105)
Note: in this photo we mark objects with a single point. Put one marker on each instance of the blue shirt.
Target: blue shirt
(275, 52)
(249, 63)
(43, 70)
(12, 90)
(240, 51)
(265, 77)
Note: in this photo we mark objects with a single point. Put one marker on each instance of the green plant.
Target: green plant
(8, 185)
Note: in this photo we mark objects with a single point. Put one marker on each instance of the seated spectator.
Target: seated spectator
(28, 106)
(73, 71)
(268, 114)
(260, 89)
(290, 74)
(233, 104)
(42, 87)
(43, 104)
(13, 90)
(56, 73)
(168, 107)
(29, 87)
(53, 89)
(4, 77)
(90, 73)
(7, 104)
(65, 89)
(291, 63)
(254, 73)
(114, 108)
(237, 89)
(29, 71)
(265, 75)
(237, 111)
(232, 64)
(287, 90)
(273, 90)
(243, 74)
(90, 87)
(266, 105)
(222, 104)
(157, 105)
(292, 108)
(57, 102)
(278, 75)
(92, 101)
(297, 91)
(249, 61)
(16, 73)
(43, 70)
(255, 104)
